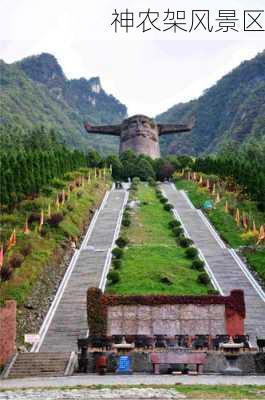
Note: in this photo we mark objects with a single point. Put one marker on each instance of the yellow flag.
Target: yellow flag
(188, 175)
(49, 211)
(217, 198)
(41, 217)
(237, 217)
(226, 207)
(254, 229)
(245, 222)
(95, 173)
(201, 181)
(57, 202)
(213, 192)
(12, 240)
(208, 184)
(89, 177)
(26, 227)
(261, 234)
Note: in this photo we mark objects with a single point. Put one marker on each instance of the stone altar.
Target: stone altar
(139, 133)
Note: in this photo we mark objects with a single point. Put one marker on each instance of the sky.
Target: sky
(148, 74)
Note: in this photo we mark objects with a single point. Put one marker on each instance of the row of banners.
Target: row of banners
(241, 218)
(61, 198)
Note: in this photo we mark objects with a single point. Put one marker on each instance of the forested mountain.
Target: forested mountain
(35, 91)
(232, 110)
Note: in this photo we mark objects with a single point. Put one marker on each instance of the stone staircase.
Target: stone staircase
(224, 265)
(39, 365)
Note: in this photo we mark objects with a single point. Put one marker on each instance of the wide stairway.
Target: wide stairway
(40, 364)
(224, 266)
(67, 317)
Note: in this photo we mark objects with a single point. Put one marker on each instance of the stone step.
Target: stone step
(224, 267)
(39, 364)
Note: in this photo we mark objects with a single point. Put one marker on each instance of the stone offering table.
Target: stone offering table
(174, 357)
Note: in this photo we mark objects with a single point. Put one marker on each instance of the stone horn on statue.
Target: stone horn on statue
(139, 133)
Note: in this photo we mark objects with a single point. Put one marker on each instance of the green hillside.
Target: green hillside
(35, 91)
(233, 109)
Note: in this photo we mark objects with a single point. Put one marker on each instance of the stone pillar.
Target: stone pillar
(235, 313)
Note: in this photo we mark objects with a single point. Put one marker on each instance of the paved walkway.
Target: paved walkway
(135, 379)
(87, 269)
(226, 269)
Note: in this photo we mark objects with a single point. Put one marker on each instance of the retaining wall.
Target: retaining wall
(7, 331)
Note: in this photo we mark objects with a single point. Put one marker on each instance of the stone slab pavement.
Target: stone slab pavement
(135, 379)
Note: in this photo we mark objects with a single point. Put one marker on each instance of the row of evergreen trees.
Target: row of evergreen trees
(26, 170)
(245, 164)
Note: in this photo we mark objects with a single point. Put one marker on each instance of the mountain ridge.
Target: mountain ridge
(36, 91)
(232, 109)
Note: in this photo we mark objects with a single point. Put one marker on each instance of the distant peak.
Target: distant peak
(95, 84)
(43, 68)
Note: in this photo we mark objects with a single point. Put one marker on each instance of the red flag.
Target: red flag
(1, 256)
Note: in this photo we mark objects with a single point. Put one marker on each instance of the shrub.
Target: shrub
(191, 252)
(117, 252)
(116, 262)
(168, 207)
(30, 206)
(185, 242)
(126, 215)
(33, 218)
(122, 241)
(26, 249)
(114, 277)
(178, 231)
(136, 180)
(79, 194)
(5, 273)
(15, 260)
(158, 192)
(70, 207)
(126, 222)
(58, 183)
(197, 264)
(55, 219)
(47, 190)
(174, 223)
(163, 200)
(203, 278)
(151, 181)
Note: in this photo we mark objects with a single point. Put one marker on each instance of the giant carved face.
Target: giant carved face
(139, 127)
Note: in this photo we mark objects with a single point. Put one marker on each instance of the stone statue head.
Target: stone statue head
(141, 134)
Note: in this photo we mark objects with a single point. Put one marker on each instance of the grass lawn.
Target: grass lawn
(225, 224)
(224, 392)
(222, 221)
(153, 254)
(257, 262)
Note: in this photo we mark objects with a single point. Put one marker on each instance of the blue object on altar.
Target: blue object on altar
(124, 366)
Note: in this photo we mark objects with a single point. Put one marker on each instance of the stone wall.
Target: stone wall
(7, 331)
(165, 315)
(167, 319)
